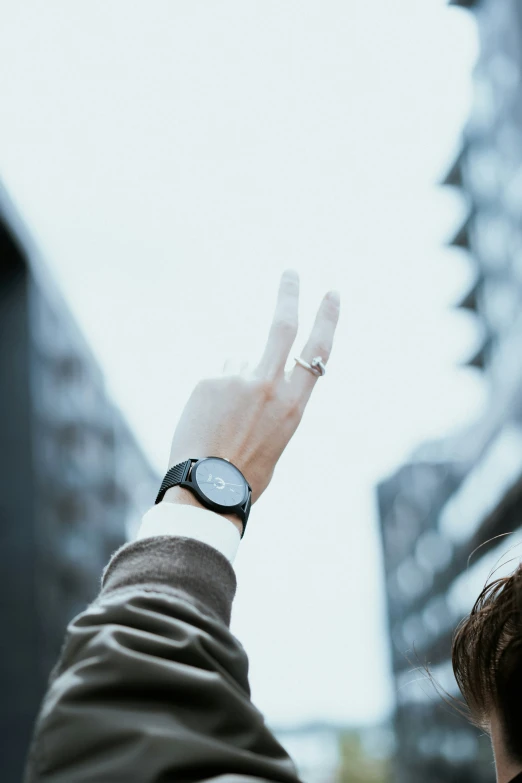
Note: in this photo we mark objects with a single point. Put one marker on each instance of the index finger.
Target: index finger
(283, 330)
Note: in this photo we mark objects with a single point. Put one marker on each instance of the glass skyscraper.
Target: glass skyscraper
(73, 480)
(453, 514)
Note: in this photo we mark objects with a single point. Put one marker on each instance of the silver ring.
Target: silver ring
(316, 367)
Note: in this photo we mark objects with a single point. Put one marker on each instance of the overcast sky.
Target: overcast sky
(171, 159)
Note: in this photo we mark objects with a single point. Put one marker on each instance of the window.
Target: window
(502, 561)
(503, 72)
(508, 145)
(413, 580)
(437, 616)
(484, 487)
(501, 303)
(482, 171)
(433, 551)
(492, 235)
(484, 107)
(513, 193)
(414, 631)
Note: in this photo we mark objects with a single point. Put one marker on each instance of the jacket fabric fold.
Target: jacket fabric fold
(151, 685)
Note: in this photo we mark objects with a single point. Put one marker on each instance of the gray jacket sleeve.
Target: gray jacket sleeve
(151, 685)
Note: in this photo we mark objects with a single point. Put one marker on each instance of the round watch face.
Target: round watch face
(220, 482)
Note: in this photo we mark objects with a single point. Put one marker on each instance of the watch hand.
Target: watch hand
(226, 483)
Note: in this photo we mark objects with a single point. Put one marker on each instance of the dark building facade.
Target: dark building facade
(442, 514)
(73, 481)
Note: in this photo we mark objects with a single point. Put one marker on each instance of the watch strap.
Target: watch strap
(173, 477)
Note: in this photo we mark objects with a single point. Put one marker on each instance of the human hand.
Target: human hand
(250, 417)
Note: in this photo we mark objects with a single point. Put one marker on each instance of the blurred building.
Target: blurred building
(72, 481)
(457, 495)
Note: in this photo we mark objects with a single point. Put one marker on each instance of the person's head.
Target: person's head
(487, 662)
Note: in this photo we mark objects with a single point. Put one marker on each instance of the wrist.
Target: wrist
(185, 497)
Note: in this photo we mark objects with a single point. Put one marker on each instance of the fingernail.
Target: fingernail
(335, 296)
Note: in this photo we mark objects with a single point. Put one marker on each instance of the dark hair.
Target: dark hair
(487, 659)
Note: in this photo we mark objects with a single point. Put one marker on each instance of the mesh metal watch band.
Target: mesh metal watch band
(173, 477)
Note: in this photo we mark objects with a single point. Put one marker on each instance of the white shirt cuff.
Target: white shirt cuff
(177, 519)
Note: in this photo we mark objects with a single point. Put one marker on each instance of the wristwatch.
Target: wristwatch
(216, 483)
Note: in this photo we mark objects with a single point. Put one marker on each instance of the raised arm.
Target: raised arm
(151, 685)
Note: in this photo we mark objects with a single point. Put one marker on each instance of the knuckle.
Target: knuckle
(322, 350)
(294, 408)
(285, 326)
(213, 385)
(203, 385)
(217, 381)
(331, 308)
(234, 384)
(267, 389)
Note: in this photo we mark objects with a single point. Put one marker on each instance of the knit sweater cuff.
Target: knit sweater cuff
(171, 562)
